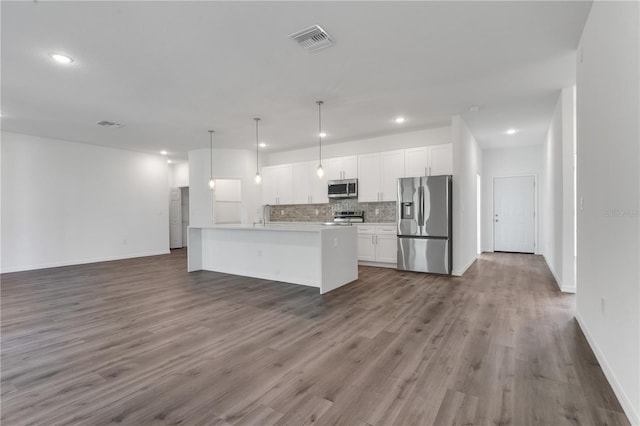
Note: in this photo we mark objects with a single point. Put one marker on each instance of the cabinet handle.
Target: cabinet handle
(425, 172)
(429, 170)
(372, 242)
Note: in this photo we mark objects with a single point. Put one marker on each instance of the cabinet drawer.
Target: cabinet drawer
(365, 229)
(387, 230)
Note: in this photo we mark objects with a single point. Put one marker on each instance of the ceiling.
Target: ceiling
(169, 71)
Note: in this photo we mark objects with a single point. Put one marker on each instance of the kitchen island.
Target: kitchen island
(313, 255)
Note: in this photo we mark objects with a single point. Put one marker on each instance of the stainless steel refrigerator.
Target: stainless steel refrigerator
(424, 224)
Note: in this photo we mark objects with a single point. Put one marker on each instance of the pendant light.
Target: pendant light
(258, 178)
(212, 182)
(320, 170)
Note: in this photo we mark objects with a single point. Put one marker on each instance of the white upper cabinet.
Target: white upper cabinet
(341, 168)
(369, 176)
(308, 188)
(302, 182)
(429, 160)
(392, 163)
(277, 184)
(378, 175)
(416, 161)
(441, 159)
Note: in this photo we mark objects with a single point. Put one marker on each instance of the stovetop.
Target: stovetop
(349, 216)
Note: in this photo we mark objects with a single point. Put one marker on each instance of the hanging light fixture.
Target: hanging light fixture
(258, 178)
(320, 170)
(212, 182)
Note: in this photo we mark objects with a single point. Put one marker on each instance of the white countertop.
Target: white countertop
(284, 226)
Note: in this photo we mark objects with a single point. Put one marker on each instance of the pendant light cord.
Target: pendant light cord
(210, 154)
(257, 144)
(320, 131)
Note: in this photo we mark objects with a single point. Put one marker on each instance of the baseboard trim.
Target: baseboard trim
(80, 262)
(633, 417)
(459, 272)
(378, 264)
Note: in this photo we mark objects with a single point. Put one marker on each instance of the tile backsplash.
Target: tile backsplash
(380, 212)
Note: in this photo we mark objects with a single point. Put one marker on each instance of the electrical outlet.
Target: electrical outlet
(281, 212)
(377, 212)
(335, 242)
(316, 212)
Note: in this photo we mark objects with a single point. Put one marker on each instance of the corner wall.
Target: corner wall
(467, 163)
(558, 193)
(608, 182)
(66, 203)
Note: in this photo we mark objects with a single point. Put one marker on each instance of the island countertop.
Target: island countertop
(322, 256)
(279, 226)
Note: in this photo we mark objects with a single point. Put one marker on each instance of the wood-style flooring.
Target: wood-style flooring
(142, 341)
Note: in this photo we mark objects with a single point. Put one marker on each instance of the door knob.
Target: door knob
(496, 220)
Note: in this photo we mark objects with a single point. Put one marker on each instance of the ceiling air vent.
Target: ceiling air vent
(312, 38)
(106, 123)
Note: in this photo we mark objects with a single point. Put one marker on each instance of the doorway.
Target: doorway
(514, 214)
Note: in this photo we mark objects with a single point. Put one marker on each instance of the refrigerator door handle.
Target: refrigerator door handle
(420, 207)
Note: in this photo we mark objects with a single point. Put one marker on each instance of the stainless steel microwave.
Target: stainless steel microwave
(343, 188)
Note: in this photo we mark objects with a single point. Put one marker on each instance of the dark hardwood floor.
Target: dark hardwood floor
(141, 341)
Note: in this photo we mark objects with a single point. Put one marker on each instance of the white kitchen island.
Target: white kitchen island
(313, 255)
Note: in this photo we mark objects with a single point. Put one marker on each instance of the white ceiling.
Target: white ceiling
(169, 71)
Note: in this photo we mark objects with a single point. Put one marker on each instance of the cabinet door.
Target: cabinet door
(386, 248)
(285, 184)
(392, 169)
(318, 187)
(369, 177)
(302, 182)
(441, 159)
(415, 162)
(366, 248)
(269, 185)
(350, 167)
(332, 168)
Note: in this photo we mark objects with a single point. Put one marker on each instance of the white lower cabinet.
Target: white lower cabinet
(377, 243)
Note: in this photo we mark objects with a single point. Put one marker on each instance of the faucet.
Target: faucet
(264, 214)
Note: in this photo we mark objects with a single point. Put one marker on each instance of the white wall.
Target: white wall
(426, 137)
(552, 194)
(557, 194)
(467, 164)
(608, 132)
(68, 203)
(179, 174)
(227, 163)
(504, 162)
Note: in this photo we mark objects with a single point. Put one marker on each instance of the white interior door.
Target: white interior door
(175, 218)
(514, 214)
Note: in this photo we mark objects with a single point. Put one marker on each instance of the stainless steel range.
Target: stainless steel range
(349, 216)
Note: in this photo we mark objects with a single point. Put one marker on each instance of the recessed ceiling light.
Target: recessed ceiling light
(169, 161)
(399, 120)
(163, 152)
(323, 135)
(262, 144)
(474, 108)
(60, 58)
(511, 131)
